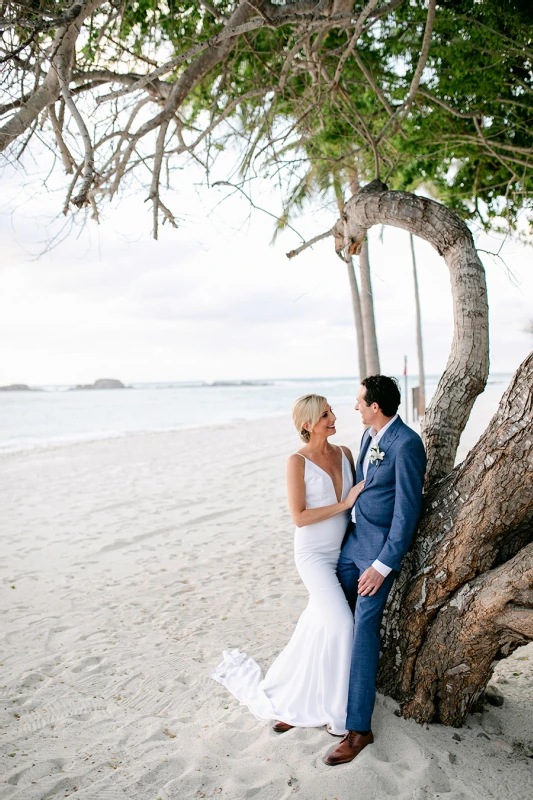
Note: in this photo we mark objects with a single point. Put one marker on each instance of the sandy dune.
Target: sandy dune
(126, 567)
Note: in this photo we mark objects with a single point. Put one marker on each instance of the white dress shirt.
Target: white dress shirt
(375, 437)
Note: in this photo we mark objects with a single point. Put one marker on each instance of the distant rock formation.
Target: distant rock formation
(101, 383)
(16, 387)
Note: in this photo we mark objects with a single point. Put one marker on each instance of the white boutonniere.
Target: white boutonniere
(376, 455)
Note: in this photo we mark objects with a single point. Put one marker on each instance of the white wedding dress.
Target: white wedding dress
(307, 685)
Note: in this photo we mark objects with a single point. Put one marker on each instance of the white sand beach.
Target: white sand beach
(126, 567)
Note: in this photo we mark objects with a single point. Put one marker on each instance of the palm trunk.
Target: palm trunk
(356, 300)
(421, 372)
(358, 318)
(367, 310)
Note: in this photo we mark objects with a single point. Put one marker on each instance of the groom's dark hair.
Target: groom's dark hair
(384, 391)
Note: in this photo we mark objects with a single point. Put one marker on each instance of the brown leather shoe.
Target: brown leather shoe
(281, 727)
(349, 748)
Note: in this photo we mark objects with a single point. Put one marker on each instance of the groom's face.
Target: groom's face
(368, 414)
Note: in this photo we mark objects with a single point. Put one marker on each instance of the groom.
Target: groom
(392, 462)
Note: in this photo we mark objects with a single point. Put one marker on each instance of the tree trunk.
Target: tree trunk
(419, 347)
(367, 310)
(367, 298)
(464, 597)
(467, 369)
(358, 319)
(356, 300)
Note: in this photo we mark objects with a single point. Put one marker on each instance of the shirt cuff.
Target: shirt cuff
(383, 569)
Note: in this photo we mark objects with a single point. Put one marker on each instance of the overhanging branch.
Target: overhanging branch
(310, 243)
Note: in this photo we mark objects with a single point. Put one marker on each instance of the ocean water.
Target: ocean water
(53, 415)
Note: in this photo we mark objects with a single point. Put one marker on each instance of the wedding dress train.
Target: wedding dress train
(307, 685)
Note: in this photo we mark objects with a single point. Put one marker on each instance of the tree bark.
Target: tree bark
(464, 597)
(367, 310)
(368, 351)
(466, 372)
(419, 345)
(358, 319)
(356, 299)
(485, 621)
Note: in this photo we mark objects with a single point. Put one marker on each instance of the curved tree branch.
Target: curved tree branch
(466, 372)
(363, 16)
(394, 122)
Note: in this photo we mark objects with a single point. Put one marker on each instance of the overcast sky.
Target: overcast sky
(214, 299)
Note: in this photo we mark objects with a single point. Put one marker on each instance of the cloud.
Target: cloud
(214, 300)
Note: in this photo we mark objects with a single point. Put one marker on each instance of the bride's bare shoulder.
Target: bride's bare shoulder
(296, 460)
(298, 456)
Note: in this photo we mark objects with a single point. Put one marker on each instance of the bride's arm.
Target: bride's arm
(301, 515)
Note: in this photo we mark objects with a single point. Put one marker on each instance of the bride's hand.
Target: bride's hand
(354, 493)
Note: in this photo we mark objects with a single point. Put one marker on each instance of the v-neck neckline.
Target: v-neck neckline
(343, 455)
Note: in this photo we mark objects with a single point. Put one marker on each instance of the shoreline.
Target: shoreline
(93, 438)
(38, 424)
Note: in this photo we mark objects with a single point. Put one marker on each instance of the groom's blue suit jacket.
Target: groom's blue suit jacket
(388, 508)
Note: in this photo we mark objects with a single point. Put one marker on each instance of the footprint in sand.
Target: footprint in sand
(32, 680)
(48, 666)
(87, 663)
(21, 700)
(36, 772)
(253, 791)
(89, 635)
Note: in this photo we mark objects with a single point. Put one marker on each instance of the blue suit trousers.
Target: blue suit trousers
(368, 612)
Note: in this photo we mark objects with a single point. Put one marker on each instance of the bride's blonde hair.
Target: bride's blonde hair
(308, 408)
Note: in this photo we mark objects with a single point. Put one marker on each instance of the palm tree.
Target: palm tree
(356, 299)
(421, 372)
(367, 298)
(367, 310)
(320, 179)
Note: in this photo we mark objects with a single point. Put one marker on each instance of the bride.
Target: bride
(307, 685)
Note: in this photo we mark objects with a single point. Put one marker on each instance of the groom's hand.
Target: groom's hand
(369, 582)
